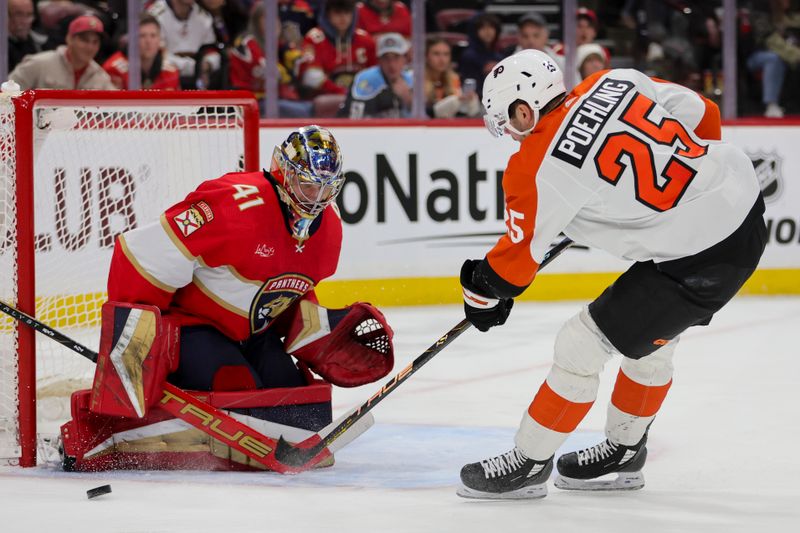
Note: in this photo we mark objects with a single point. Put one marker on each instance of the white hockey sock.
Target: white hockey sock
(536, 441)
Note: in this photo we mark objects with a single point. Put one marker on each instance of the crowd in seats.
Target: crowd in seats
(22, 39)
(327, 47)
(157, 71)
(377, 17)
(445, 96)
(383, 90)
(772, 40)
(71, 65)
(482, 53)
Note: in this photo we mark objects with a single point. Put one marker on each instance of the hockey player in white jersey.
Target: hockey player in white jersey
(632, 165)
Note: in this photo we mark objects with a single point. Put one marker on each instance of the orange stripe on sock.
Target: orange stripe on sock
(555, 412)
(637, 399)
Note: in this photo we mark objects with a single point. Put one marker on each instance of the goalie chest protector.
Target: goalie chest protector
(225, 257)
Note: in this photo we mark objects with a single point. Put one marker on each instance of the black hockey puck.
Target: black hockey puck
(98, 491)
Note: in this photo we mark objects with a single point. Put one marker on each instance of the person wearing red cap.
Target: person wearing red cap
(586, 24)
(70, 66)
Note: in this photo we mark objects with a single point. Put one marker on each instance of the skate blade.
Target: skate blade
(623, 481)
(532, 492)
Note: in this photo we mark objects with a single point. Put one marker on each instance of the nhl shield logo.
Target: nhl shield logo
(768, 170)
(274, 297)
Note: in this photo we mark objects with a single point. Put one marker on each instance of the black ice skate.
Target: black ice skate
(509, 476)
(580, 470)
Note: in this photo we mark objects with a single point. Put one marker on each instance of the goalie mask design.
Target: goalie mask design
(308, 166)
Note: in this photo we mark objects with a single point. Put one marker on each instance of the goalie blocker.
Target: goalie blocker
(119, 424)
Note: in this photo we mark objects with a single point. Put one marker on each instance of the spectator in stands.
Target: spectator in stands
(585, 26)
(777, 41)
(157, 73)
(444, 97)
(533, 34)
(384, 16)
(383, 91)
(586, 59)
(248, 67)
(663, 46)
(22, 40)
(186, 29)
(215, 8)
(70, 66)
(590, 58)
(481, 55)
(297, 18)
(336, 50)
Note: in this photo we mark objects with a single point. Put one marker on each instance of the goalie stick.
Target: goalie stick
(190, 409)
(304, 455)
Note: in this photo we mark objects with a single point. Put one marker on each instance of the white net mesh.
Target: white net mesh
(98, 171)
(9, 441)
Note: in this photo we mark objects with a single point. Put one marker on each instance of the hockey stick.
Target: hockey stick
(184, 406)
(304, 455)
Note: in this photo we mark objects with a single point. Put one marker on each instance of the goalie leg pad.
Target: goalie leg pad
(93, 442)
(348, 347)
(138, 349)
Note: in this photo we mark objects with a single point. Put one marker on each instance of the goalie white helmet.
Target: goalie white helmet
(529, 75)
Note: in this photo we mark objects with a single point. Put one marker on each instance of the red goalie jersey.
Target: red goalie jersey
(216, 258)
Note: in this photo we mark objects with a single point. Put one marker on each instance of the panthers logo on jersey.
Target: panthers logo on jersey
(274, 297)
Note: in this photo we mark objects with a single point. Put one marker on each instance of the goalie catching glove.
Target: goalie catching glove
(481, 309)
(347, 347)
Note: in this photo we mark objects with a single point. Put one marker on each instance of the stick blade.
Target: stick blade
(300, 457)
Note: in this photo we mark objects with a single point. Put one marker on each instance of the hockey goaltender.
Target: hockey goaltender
(217, 298)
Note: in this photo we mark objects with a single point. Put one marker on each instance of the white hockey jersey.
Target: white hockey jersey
(183, 38)
(629, 164)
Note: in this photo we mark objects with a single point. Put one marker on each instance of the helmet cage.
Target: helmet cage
(308, 167)
(307, 193)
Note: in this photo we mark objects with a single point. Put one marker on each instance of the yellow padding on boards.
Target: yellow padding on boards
(84, 309)
(571, 286)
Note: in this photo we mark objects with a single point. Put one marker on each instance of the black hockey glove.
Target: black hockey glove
(481, 310)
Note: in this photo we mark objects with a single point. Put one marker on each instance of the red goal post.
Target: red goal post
(79, 167)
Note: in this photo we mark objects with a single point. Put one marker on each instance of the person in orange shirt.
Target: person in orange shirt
(633, 166)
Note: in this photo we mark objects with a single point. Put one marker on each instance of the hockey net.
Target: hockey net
(77, 169)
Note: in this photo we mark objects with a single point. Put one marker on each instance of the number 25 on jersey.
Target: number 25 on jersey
(676, 175)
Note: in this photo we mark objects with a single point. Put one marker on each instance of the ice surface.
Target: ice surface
(723, 452)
